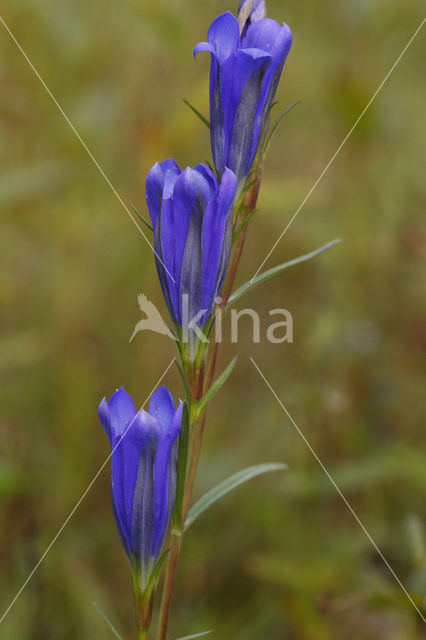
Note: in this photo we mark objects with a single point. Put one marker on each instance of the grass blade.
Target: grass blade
(228, 485)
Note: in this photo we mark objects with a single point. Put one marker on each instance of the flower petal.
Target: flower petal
(224, 36)
(122, 411)
(216, 239)
(203, 46)
(159, 184)
(242, 90)
(269, 36)
(209, 176)
(105, 418)
(164, 488)
(162, 407)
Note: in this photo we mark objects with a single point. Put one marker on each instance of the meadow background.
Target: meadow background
(281, 558)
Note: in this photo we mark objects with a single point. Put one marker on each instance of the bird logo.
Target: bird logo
(153, 321)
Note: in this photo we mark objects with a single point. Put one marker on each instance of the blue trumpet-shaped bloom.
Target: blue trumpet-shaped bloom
(244, 76)
(191, 215)
(143, 472)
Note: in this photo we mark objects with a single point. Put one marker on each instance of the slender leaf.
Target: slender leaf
(184, 381)
(181, 469)
(228, 485)
(251, 284)
(277, 124)
(216, 385)
(141, 217)
(156, 572)
(274, 104)
(197, 635)
(241, 226)
(248, 185)
(109, 623)
(197, 113)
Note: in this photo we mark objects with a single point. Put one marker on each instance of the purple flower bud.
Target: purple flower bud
(249, 11)
(244, 76)
(191, 215)
(143, 473)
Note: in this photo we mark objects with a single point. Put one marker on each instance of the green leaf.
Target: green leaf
(197, 113)
(228, 485)
(241, 226)
(248, 286)
(277, 124)
(141, 217)
(181, 468)
(197, 635)
(156, 573)
(184, 381)
(208, 396)
(109, 623)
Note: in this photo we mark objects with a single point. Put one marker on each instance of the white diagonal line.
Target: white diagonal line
(80, 139)
(334, 156)
(338, 490)
(48, 548)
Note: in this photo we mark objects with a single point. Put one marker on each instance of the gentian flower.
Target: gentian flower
(244, 76)
(143, 474)
(192, 218)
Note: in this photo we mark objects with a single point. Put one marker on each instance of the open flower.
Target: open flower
(191, 215)
(143, 474)
(244, 76)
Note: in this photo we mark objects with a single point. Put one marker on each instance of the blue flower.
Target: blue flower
(143, 473)
(192, 216)
(244, 76)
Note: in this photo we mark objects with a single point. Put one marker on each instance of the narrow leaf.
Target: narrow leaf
(181, 469)
(277, 124)
(216, 386)
(156, 572)
(241, 226)
(197, 635)
(109, 623)
(248, 286)
(197, 113)
(184, 381)
(141, 217)
(228, 485)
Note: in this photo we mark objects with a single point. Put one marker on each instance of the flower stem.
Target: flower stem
(169, 582)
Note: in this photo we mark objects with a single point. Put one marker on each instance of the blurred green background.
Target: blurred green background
(281, 558)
